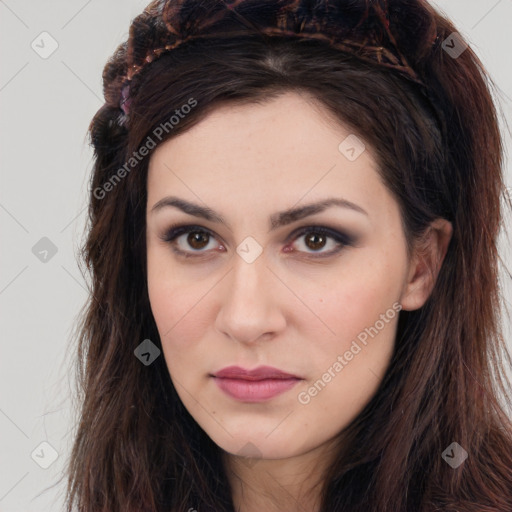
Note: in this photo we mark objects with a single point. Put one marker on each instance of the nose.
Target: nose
(251, 302)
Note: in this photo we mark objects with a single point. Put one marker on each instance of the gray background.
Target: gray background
(46, 106)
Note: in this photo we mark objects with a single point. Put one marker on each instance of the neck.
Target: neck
(293, 484)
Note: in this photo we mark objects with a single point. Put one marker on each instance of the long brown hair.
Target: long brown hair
(439, 151)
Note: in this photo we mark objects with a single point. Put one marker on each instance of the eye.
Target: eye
(316, 238)
(197, 239)
(187, 240)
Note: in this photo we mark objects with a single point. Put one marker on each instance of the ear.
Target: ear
(428, 255)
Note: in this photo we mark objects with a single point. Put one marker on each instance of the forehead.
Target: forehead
(277, 151)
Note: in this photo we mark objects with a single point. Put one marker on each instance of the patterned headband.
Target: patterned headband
(376, 31)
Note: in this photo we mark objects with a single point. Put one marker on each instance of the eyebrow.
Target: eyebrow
(276, 220)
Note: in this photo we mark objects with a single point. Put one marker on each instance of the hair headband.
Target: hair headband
(371, 30)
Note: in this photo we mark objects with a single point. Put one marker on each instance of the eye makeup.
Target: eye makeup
(339, 238)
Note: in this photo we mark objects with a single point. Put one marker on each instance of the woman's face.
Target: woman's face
(264, 279)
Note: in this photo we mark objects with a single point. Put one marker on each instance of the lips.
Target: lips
(260, 373)
(257, 385)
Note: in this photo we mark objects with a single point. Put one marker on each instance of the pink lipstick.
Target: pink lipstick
(257, 385)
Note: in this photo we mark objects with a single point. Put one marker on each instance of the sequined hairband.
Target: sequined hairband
(370, 39)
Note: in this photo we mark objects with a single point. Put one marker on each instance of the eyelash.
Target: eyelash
(342, 239)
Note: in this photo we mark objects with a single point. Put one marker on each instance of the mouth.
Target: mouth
(257, 385)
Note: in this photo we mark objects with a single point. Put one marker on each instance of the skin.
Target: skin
(286, 309)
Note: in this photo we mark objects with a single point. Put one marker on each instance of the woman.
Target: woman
(294, 301)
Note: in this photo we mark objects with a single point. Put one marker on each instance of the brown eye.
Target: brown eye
(315, 241)
(198, 239)
(189, 241)
(315, 238)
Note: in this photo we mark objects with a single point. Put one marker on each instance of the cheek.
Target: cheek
(360, 308)
(359, 293)
(181, 306)
(357, 304)
(347, 368)
(178, 316)
(174, 293)
(170, 300)
(176, 311)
